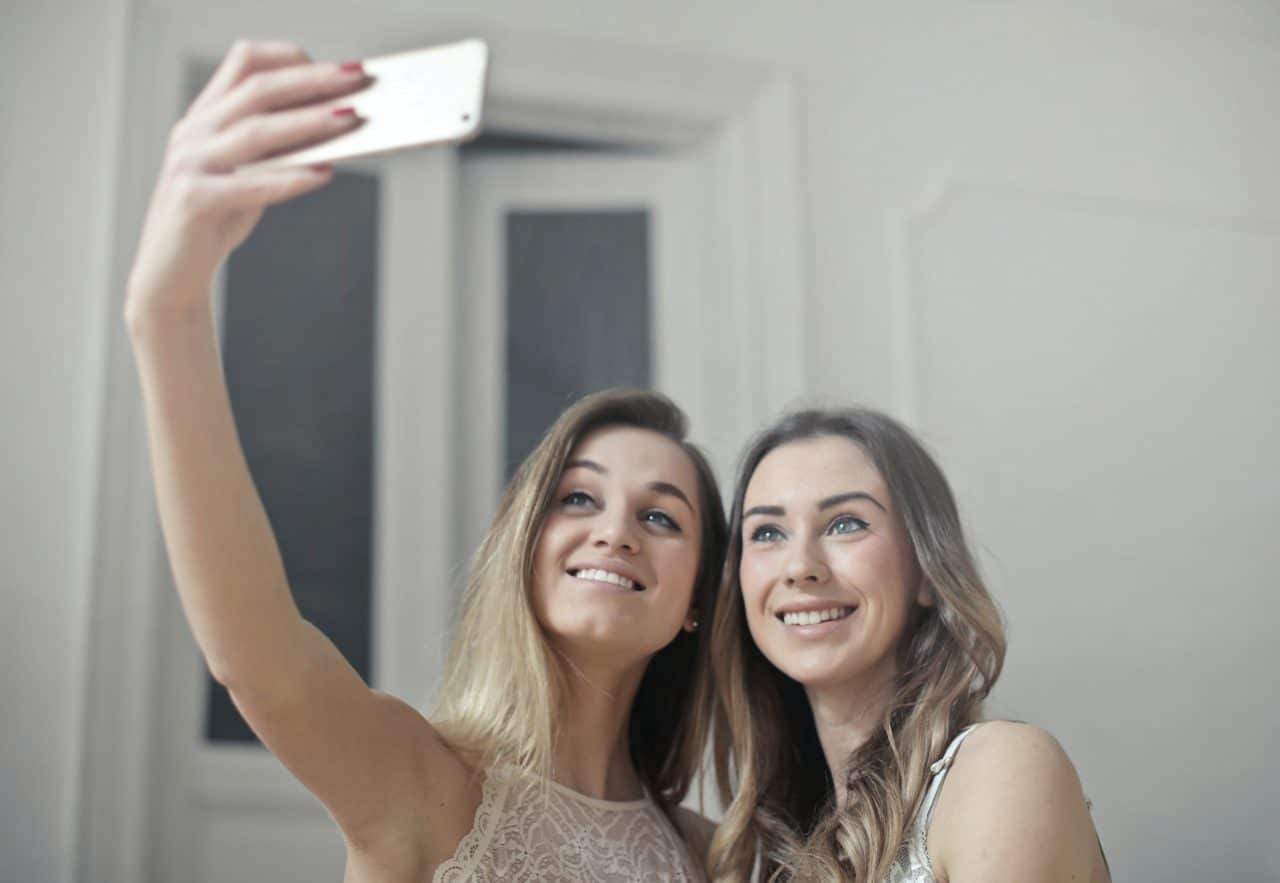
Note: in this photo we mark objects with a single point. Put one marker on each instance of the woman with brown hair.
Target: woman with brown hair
(853, 650)
(573, 713)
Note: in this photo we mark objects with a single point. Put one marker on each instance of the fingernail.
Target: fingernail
(322, 168)
(347, 111)
(351, 67)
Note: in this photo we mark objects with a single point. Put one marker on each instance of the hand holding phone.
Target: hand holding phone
(427, 96)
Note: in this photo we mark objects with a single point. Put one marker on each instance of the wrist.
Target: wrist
(147, 317)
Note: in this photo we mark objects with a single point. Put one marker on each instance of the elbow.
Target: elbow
(278, 669)
(226, 675)
(237, 670)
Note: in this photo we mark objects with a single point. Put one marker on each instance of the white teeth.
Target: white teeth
(604, 576)
(813, 617)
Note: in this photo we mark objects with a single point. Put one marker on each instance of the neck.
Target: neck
(846, 716)
(593, 755)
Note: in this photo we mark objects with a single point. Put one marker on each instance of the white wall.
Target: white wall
(1046, 233)
(60, 75)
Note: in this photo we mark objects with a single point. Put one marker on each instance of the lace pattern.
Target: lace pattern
(524, 832)
(912, 864)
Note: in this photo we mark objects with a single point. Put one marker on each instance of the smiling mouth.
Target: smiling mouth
(814, 617)
(605, 576)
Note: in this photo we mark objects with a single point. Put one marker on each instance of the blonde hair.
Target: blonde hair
(504, 686)
(784, 816)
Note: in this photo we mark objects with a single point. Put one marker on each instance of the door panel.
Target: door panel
(580, 272)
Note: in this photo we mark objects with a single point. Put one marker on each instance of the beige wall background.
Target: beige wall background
(1044, 233)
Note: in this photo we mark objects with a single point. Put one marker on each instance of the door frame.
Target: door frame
(739, 120)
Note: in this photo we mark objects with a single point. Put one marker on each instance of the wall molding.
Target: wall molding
(944, 193)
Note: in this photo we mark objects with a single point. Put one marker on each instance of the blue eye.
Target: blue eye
(767, 533)
(657, 516)
(576, 499)
(846, 525)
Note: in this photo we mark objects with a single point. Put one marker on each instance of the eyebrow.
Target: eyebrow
(661, 487)
(666, 487)
(825, 503)
(828, 502)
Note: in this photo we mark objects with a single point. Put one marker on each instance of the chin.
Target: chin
(810, 673)
(619, 637)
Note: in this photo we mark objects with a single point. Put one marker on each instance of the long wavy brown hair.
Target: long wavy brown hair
(785, 818)
(504, 686)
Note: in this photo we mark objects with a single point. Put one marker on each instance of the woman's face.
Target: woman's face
(828, 577)
(615, 563)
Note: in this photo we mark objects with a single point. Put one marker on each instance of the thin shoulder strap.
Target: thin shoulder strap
(939, 770)
(917, 842)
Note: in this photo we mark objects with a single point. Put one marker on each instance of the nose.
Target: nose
(616, 533)
(806, 567)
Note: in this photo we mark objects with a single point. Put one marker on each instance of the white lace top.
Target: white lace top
(524, 833)
(912, 864)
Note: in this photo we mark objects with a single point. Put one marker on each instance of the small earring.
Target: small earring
(691, 626)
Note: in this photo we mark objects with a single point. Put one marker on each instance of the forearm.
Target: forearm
(224, 556)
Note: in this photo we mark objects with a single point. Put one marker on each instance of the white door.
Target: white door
(608, 245)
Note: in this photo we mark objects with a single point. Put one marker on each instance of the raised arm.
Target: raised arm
(368, 757)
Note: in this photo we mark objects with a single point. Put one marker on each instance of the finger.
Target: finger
(263, 187)
(265, 135)
(244, 58)
(296, 85)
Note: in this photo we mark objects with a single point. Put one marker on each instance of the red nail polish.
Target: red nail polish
(351, 67)
(347, 111)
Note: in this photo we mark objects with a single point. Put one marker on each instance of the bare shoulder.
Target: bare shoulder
(1007, 752)
(696, 829)
(1012, 808)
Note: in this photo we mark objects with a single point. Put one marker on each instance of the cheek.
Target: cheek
(753, 577)
(551, 539)
(680, 568)
(546, 564)
(878, 572)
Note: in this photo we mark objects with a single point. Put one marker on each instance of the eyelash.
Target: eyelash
(577, 499)
(666, 520)
(758, 535)
(862, 525)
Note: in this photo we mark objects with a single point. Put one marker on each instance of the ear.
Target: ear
(691, 621)
(924, 594)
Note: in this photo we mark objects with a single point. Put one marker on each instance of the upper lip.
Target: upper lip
(611, 566)
(809, 606)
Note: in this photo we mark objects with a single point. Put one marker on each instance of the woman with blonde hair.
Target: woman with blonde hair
(853, 649)
(572, 716)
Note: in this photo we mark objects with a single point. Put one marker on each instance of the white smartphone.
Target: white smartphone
(427, 96)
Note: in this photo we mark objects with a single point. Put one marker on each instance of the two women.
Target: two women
(853, 644)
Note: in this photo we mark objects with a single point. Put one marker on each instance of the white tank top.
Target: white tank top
(524, 833)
